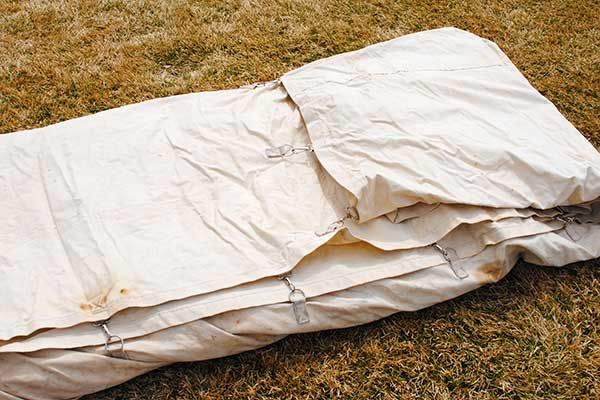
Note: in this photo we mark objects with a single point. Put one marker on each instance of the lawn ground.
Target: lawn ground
(533, 335)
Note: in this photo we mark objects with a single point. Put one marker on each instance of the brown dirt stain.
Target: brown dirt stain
(102, 301)
(490, 272)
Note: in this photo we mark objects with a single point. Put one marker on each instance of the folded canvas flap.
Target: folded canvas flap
(326, 270)
(153, 202)
(90, 370)
(433, 225)
(405, 213)
(440, 116)
(422, 225)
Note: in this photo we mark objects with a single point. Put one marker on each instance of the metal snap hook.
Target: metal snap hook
(111, 339)
(286, 150)
(451, 257)
(298, 300)
(288, 282)
(114, 339)
(279, 151)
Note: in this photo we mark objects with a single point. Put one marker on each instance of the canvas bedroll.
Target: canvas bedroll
(198, 226)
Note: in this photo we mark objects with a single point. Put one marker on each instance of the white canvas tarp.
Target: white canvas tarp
(197, 226)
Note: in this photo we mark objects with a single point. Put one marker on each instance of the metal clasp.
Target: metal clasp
(111, 339)
(298, 300)
(570, 222)
(451, 257)
(351, 213)
(286, 150)
(332, 227)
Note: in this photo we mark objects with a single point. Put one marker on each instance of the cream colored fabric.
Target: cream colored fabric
(433, 225)
(327, 269)
(152, 202)
(173, 198)
(64, 374)
(441, 116)
(168, 218)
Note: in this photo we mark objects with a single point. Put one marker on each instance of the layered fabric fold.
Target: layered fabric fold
(198, 226)
(40, 374)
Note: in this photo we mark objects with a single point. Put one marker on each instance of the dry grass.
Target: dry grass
(534, 335)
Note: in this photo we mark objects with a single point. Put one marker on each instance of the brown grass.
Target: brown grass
(533, 335)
